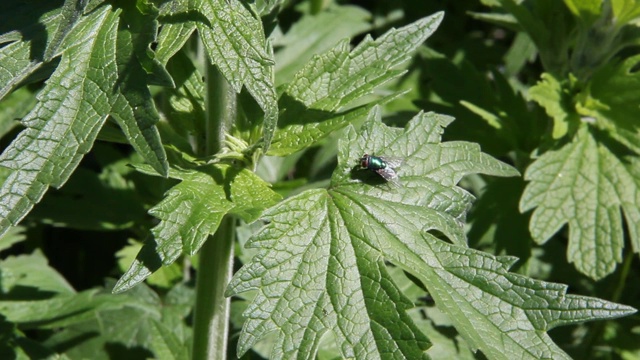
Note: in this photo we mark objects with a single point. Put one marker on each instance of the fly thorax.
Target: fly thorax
(376, 163)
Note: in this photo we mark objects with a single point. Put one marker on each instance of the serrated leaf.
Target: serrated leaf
(315, 125)
(165, 277)
(20, 59)
(132, 105)
(557, 100)
(355, 73)
(583, 184)
(56, 137)
(236, 44)
(315, 34)
(192, 210)
(174, 34)
(613, 97)
(333, 80)
(486, 301)
(321, 264)
(95, 78)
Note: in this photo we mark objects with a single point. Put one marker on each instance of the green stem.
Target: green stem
(211, 314)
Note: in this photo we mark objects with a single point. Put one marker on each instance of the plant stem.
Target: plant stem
(211, 314)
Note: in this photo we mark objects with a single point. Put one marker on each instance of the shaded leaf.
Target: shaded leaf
(584, 184)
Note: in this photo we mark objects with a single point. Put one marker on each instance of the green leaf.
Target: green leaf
(120, 327)
(625, 11)
(486, 301)
(321, 261)
(315, 34)
(192, 210)
(186, 111)
(31, 25)
(165, 345)
(30, 276)
(557, 99)
(69, 15)
(550, 26)
(15, 107)
(584, 184)
(64, 124)
(178, 25)
(132, 104)
(612, 97)
(95, 77)
(236, 44)
(335, 79)
(587, 11)
(165, 277)
(12, 236)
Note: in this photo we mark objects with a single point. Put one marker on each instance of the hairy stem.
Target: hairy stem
(211, 315)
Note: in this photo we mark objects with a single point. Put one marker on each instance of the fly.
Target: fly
(382, 165)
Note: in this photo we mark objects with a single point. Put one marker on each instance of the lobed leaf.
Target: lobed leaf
(236, 44)
(99, 74)
(333, 80)
(584, 184)
(192, 210)
(62, 127)
(321, 261)
(555, 98)
(321, 264)
(314, 34)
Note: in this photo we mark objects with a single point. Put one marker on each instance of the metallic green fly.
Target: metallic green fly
(382, 165)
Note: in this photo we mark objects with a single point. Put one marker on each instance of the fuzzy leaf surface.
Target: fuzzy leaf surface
(314, 99)
(321, 260)
(584, 184)
(192, 210)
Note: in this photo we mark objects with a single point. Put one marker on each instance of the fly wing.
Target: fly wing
(388, 174)
(392, 162)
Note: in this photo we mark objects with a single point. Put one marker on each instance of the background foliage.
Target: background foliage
(116, 169)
